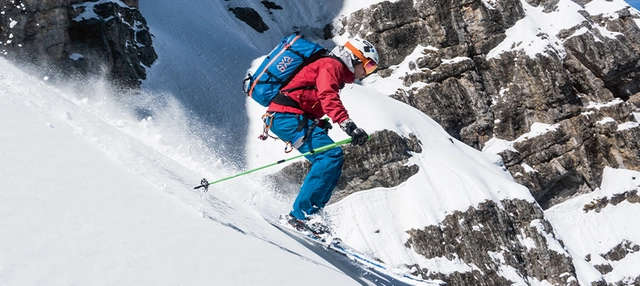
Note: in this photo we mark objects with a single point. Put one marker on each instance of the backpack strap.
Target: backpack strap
(283, 99)
(308, 87)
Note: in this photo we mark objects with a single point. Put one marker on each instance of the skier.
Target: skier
(294, 116)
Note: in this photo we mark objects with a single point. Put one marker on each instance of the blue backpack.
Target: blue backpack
(284, 61)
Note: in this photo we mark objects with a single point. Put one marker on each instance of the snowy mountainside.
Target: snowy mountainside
(227, 47)
(83, 202)
(535, 34)
(129, 163)
(453, 175)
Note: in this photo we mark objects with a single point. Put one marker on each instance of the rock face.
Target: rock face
(79, 38)
(583, 88)
(514, 238)
(570, 159)
(252, 18)
(487, 241)
(585, 82)
(601, 203)
(379, 163)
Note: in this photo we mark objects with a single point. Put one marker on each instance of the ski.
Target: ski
(329, 242)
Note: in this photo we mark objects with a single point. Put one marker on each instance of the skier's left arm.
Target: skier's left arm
(328, 92)
(328, 85)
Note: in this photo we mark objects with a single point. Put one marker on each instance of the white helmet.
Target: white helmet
(364, 51)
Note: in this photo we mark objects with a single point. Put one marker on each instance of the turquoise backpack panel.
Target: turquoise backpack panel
(279, 66)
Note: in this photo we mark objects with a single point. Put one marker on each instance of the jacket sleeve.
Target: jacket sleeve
(328, 82)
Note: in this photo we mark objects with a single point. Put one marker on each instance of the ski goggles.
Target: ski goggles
(368, 64)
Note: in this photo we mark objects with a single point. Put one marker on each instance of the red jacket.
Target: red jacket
(328, 75)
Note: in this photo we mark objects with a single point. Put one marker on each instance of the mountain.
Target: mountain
(547, 89)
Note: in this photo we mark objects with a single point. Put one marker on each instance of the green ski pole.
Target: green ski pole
(205, 184)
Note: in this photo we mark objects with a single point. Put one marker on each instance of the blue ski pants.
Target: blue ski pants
(326, 167)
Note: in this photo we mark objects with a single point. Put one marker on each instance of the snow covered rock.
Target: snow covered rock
(500, 245)
(568, 160)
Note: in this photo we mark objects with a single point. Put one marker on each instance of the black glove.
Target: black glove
(358, 135)
(324, 124)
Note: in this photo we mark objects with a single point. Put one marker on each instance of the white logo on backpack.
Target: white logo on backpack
(284, 63)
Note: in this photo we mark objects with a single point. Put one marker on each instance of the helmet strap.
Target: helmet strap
(355, 52)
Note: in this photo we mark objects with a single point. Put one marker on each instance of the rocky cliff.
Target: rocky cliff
(514, 237)
(79, 38)
(487, 87)
(558, 104)
(581, 75)
(382, 162)
(479, 86)
(492, 239)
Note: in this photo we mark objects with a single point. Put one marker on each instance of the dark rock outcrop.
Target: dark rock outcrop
(492, 240)
(251, 17)
(79, 38)
(601, 203)
(379, 163)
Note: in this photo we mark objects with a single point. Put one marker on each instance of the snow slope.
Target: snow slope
(590, 235)
(84, 203)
